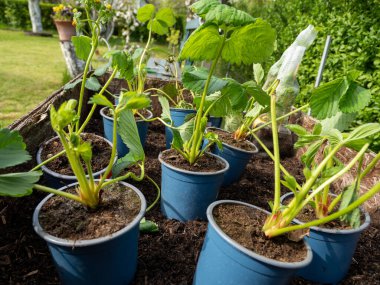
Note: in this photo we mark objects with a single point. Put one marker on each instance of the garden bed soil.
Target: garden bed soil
(170, 255)
(207, 163)
(227, 138)
(244, 225)
(101, 152)
(68, 219)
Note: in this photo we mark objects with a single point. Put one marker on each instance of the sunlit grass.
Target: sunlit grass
(31, 68)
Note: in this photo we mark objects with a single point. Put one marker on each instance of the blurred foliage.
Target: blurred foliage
(15, 14)
(355, 30)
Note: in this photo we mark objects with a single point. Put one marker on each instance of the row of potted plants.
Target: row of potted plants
(192, 176)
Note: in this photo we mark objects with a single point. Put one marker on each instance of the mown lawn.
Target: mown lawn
(31, 68)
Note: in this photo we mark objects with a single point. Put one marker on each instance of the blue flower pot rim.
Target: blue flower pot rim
(249, 253)
(89, 242)
(182, 110)
(227, 166)
(256, 150)
(62, 176)
(362, 227)
(103, 114)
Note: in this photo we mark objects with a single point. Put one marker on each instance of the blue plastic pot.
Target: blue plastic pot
(224, 261)
(107, 260)
(122, 149)
(185, 195)
(332, 251)
(237, 159)
(54, 179)
(178, 118)
(214, 122)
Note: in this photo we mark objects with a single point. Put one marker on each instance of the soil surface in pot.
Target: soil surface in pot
(69, 219)
(170, 255)
(244, 225)
(143, 112)
(228, 138)
(207, 163)
(308, 214)
(101, 153)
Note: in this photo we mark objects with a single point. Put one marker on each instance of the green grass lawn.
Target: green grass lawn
(31, 68)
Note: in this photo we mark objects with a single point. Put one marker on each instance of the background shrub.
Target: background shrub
(355, 30)
(15, 14)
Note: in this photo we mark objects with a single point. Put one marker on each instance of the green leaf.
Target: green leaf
(258, 73)
(196, 49)
(127, 129)
(158, 27)
(72, 84)
(257, 92)
(237, 94)
(171, 90)
(18, 184)
(297, 129)
(324, 100)
(137, 102)
(147, 226)
(102, 69)
(195, 80)
(122, 61)
(65, 115)
(93, 84)
(331, 171)
(255, 111)
(308, 157)
(334, 136)
(355, 99)
(203, 6)
(12, 148)
(137, 53)
(317, 129)
(307, 173)
(233, 121)
(166, 16)
(100, 100)
(290, 183)
(250, 44)
(82, 45)
(221, 106)
(85, 151)
(177, 142)
(349, 196)
(213, 138)
(339, 121)
(229, 16)
(165, 115)
(187, 128)
(363, 131)
(145, 13)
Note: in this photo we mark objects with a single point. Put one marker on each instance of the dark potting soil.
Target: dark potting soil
(169, 256)
(243, 224)
(228, 138)
(207, 163)
(143, 112)
(101, 153)
(69, 219)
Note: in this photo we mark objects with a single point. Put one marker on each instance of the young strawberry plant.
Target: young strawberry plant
(227, 33)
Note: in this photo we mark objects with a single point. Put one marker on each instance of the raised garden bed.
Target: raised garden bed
(166, 257)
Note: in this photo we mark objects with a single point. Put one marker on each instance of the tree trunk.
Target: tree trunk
(35, 15)
(74, 65)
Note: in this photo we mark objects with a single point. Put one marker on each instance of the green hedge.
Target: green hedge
(15, 14)
(355, 30)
